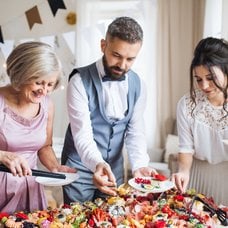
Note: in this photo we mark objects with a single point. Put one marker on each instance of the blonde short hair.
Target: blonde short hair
(30, 61)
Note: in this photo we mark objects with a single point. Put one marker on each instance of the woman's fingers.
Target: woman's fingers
(17, 165)
(181, 181)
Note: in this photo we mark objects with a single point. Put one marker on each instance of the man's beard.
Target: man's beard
(109, 72)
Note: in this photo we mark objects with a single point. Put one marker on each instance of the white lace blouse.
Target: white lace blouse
(203, 133)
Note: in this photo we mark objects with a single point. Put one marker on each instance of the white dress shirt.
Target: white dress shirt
(203, 134)
(115, 99)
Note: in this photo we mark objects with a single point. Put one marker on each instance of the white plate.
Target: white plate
(155, 187)
(47, 181)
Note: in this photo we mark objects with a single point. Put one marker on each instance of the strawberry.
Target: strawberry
(21, 215)
(3, 214)
(159, 177)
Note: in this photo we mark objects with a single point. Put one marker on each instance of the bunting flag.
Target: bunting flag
(1, 37)
(33, 16)
(55, 5)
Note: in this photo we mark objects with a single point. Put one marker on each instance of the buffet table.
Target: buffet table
(129, 209)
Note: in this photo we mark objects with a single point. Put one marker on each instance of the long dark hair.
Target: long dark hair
(211, 52)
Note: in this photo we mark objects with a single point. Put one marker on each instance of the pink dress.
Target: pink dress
(24, 137)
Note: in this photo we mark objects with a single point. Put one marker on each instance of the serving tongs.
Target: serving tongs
(221, 215)
(38, 173)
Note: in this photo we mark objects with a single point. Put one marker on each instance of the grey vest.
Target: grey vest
(108, 134)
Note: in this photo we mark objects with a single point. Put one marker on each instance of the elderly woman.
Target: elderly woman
(26, 119)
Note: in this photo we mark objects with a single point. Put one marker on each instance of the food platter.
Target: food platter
(149, 184)
(47, 181)
(129, 207)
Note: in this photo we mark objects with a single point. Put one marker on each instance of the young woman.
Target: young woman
(26, 119)
(202, 119)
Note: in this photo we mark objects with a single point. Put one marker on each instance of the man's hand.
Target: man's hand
(144, 172)
(104, 179)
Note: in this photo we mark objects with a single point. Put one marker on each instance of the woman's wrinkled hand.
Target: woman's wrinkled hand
(16, 163)
(64, 169)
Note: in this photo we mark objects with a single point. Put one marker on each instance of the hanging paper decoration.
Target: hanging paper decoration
(1, 37)
(71, 18)
(33, 16)
(55, 5)
(63, 50)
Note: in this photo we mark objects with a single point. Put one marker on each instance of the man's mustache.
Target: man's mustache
(117, 69)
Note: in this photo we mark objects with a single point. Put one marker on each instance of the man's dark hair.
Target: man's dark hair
(125, 28)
